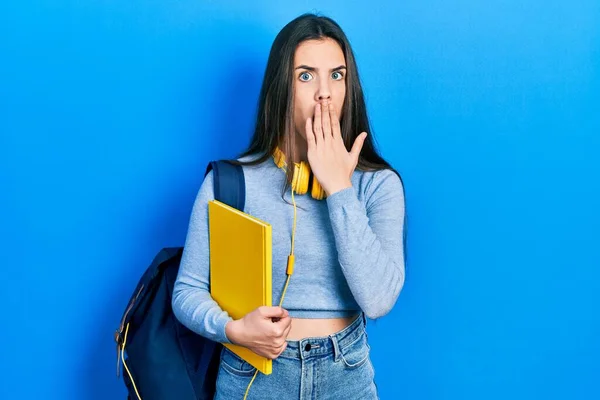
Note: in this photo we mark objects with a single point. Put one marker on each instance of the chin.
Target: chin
(300, 132)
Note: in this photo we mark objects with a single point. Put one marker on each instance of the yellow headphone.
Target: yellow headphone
(302, 176)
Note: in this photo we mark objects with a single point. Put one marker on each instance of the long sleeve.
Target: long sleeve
(192, 303)
(369, 241)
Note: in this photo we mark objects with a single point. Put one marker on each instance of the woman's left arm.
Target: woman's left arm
(369, 241)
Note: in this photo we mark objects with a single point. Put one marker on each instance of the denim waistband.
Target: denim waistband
(325, 345)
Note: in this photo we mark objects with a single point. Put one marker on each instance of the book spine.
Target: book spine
(268, 266)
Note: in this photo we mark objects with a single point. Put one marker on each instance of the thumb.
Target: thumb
(274, 312)
(358, 144)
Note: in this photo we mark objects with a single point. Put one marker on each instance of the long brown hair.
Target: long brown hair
(276, 100)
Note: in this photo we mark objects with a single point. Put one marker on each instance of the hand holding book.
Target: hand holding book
(264, 331)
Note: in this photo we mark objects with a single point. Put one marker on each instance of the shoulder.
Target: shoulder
(248, 162)
(249, 158)
(382, 180)
(253, 158)
(254, 169)
(256, 165)
(384, 185)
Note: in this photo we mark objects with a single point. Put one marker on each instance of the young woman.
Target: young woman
(346, 232)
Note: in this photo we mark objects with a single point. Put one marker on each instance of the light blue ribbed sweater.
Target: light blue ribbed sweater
(348, 249)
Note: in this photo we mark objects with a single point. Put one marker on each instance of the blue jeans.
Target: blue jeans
(330, 367)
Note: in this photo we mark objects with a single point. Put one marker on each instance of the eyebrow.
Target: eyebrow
(314, 69)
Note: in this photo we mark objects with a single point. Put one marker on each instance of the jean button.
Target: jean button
(307, 347)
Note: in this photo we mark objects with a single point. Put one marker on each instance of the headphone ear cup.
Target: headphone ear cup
(301, 178)
(317, 191)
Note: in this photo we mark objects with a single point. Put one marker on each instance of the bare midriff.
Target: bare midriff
(308, 327)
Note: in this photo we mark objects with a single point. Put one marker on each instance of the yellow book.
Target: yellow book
(240, 268)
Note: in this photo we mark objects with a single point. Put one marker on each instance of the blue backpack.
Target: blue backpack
(162, 359)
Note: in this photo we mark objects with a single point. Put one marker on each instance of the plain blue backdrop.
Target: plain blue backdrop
(110, 110)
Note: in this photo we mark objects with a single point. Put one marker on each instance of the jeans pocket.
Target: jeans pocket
(235, 365)
(356, 353)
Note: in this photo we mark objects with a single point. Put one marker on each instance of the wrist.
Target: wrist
(337, 188)
(233, 331)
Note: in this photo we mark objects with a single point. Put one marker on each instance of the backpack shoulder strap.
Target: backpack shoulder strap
(230, 188)
(228, 183)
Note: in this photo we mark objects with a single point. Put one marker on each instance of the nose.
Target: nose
(323, 92)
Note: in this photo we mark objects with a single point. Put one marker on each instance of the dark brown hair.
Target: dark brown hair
(276, 101)
(274, 118)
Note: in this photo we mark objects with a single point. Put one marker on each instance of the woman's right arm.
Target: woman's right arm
(195, 308)
(192, 303)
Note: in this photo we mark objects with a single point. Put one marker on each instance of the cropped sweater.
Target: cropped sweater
(349, 254)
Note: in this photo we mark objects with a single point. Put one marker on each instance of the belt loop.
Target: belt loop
(336, 348)
(300, 347)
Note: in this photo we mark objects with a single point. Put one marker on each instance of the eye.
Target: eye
(337, 75)
(305, 76)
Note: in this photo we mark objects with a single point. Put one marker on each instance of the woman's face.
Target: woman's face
(319, 76)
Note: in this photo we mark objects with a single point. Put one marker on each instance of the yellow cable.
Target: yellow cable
(248, 388)
(289, 271)
(294, 226)
(290, 268)
(125, 365)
